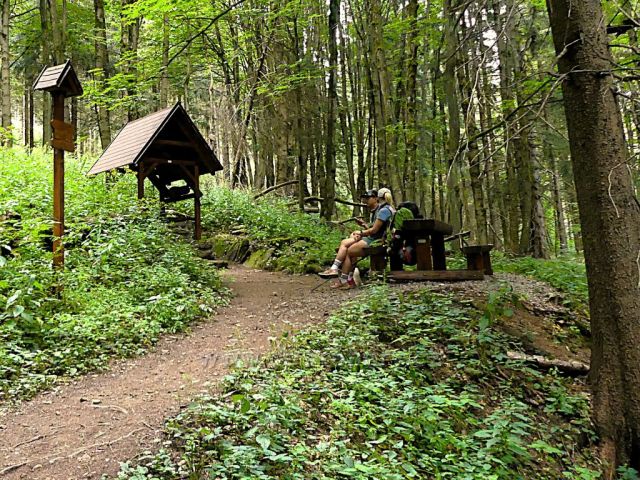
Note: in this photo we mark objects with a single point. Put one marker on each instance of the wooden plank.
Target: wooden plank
(428, 225)
(174, 143)
(436, 276)
(63, 136)
(186, 163)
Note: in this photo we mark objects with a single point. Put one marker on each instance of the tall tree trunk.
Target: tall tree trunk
(346, 123)
(102, 62)
(472, 152)
(56, 32)
(5, 78)
(506, 55)
(411, 127)
(164, 75)
(328, 205)
(381, 91)
(610, 219)
(539, 235)
(45, 27)
(561, 229)
(454, 201)
(129, 36)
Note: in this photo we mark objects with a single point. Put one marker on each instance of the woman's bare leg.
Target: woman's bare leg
(344, 247)
(354, 251)
(340, 257)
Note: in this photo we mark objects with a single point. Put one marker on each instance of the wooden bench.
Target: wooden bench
(479, 258)
(377, 258)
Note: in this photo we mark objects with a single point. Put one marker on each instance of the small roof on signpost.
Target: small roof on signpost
(59, 79)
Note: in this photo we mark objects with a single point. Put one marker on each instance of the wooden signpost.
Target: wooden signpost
(61, 82)
(62, 136)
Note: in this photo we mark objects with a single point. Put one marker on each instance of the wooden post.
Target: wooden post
(196, 202)
(58, 188)
(437, 248)
(423, 253)
(140, 181)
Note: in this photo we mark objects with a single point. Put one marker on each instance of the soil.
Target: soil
(86, 428)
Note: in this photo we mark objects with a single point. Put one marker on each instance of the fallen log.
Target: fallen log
(275, 187)
(343, 222)
(572, 367)
(337, 200)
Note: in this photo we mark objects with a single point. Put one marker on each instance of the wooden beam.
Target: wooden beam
(423, 254)
(436, 275)
(58, 189)
(196, 201)
(141, 177)
(175, 143)
(177, 161)
(437, 250)
(190, 175)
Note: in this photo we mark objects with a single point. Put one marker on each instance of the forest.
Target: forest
(517, 121)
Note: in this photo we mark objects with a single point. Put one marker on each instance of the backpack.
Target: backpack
(402, 252)
(411, 206)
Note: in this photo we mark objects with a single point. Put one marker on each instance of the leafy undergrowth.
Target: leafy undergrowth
(397, 386)
(300, 243)
(127, 278)
(567, 274)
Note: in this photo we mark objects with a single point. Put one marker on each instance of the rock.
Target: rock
(207, 254)
(260, 258)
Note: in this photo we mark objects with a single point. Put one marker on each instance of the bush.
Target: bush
(127, 278)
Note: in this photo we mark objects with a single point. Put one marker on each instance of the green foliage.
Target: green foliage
(301, 243)
(390, 388)
(566, 274)
(127, 277)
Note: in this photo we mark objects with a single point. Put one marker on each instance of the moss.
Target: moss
(260, 258)
(229, 247)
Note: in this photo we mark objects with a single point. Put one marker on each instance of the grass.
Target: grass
(127, 279)
(394, 386)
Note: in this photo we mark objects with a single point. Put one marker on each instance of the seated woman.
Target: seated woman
(381, 204)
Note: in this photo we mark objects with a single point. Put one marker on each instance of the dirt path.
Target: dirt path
(86, 428)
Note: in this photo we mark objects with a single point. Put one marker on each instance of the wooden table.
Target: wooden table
(429, 236)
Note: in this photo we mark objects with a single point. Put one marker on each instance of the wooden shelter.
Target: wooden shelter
(167, 148)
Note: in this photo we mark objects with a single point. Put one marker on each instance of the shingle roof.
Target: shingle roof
(137, 136)
(59, 78)
(130, 142)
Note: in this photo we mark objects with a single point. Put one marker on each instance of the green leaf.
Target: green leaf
(264, 441)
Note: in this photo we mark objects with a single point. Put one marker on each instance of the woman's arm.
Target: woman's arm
(377, 225)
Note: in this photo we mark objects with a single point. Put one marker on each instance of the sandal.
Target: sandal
(329, 273)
